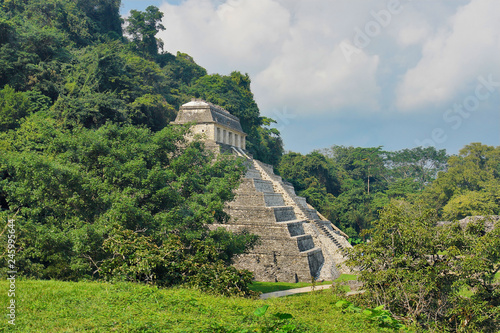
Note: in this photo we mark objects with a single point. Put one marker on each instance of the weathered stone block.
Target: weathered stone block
(263, 185)
(273, 199)
(304, 242)
(284, 213)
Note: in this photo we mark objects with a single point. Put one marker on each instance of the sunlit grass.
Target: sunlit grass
(54, 306)
(347, 277)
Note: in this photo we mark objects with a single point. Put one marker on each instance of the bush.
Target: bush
(419, 271)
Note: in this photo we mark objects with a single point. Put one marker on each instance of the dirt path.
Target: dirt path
(289, 292)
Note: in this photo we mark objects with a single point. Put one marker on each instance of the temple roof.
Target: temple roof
(202, 112)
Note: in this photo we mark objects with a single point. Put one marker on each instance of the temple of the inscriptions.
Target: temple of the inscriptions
(217, 125)
(296, 243)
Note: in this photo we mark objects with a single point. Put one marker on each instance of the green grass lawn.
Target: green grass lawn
(268, 287)
(347, 277)
(53, 306)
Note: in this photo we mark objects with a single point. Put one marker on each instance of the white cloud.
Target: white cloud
(414, 34)
(228, 36)
(318, 81)
(466, 46)
(290, 49)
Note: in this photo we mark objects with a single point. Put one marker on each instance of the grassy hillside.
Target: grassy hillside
(53, 306)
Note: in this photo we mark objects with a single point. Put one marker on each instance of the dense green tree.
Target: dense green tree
(13, 106)
(473, 171)
(469, 203)
(364, 164)
(419, 164)
(419, 271)
(183, 69)
(84, 197)
(298, 168)
(354, 183)
(105, 14)
(233, 94)
(143, 28)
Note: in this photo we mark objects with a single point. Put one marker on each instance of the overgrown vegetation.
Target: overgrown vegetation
(435, 278)
(349, 186)
(120, 203)
(418, 270)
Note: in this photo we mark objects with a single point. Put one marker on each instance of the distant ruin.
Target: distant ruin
(296, 242)
(489, 221)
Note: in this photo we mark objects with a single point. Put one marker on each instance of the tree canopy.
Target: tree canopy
(440, 278)
(349, 185)
(75, 53)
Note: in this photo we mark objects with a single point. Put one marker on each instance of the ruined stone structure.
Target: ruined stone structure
(296, 242)
(217, 125)
(489, 221)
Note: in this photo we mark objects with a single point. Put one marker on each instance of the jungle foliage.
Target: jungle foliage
(440, 278)
(120, 203)
(85, 65)
(350, 185)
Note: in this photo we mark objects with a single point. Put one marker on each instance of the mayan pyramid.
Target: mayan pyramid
(296, 242)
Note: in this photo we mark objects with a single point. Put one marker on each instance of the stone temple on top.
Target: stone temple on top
(219, 127)
(296, 242)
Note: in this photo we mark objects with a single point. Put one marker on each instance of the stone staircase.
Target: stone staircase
(296, 244)
(328, 234)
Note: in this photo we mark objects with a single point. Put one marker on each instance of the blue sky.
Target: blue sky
(391, 73)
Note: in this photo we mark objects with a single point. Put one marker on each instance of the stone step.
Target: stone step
(304, 242)
(267, 167)
(330, 236)
(273, 232)
(273, 199)
(276, 177)
(301, 201)
(315, 260)
(252, 173)
(290, 189)
(284, 213)
(262, 214)
(295, 227)
(264, 199)
(312, 214)
(312, 251)
(263, 185)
